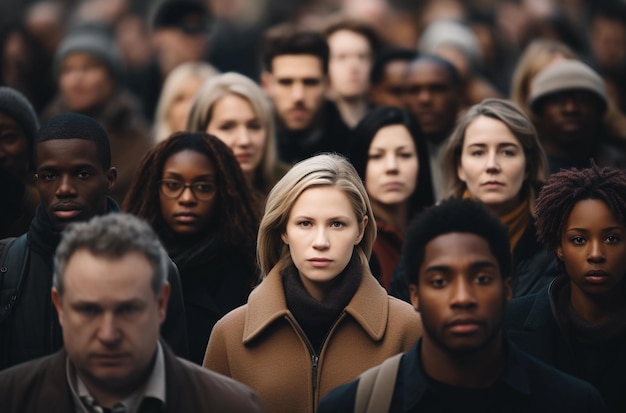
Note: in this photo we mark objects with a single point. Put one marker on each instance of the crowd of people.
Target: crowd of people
(320, 205)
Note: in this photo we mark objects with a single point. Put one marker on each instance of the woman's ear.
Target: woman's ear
(284, 237)
(362, 227)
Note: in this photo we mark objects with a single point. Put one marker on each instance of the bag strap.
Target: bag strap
(11, 272)
(376, 385)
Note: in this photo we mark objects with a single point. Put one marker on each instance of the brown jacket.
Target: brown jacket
(261, 344)
(40, 386)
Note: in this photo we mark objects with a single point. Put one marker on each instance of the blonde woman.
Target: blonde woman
(235, 109)
(319, 318)
(179, 89)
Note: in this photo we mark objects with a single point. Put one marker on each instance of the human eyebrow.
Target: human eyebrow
(481, 265)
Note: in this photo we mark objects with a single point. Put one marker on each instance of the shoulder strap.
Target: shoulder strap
(376, 385)
(11, 273)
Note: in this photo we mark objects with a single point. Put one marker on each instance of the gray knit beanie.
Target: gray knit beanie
(566, 75)
(93, 40)
(14, 104)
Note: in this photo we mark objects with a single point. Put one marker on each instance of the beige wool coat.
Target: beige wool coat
(261, 344)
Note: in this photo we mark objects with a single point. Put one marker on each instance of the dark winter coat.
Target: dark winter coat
(41, 386)
(532, 325)
(32, 330)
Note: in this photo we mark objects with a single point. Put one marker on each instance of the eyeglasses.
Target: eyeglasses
(172, 189)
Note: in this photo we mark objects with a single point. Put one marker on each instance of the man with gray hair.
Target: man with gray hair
(110, 290)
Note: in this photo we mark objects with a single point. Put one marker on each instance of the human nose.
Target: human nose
(187, 196)
(108, 332)
(596, 251)
(462, 294)
(391, 163)
(243, 137)
(493, 163)
(321, 240)
(66, 187)
(297, 91)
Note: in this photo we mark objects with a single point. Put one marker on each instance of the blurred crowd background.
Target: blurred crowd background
(497, 32)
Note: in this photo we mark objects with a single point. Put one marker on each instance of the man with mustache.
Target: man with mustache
(74, 177)
(111, 292)
(459, 276)
(295, 78)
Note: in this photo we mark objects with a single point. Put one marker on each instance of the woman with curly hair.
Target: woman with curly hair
(578, 322)
(191, 190)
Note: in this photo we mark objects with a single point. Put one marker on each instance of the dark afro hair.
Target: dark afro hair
(565, 188)
(455, 215)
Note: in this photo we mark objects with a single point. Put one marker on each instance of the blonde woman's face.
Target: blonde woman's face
(181, 104)
(321, 233)
(493, 164)
(236, 124)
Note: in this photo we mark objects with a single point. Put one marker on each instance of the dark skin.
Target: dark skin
(571, 120)
(72, 183)
(461, 297)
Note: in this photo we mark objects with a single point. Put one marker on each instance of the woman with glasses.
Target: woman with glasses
(191, 189)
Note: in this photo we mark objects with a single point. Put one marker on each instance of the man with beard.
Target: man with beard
(459, 275)
(295, 78)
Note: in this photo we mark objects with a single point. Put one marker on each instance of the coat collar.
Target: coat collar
(266, 304)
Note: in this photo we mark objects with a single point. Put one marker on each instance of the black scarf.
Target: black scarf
(317, 317)
(44, 238)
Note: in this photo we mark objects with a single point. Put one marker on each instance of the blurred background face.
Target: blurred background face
(390, 90)
(297, 86)
(181, 103)
(13, 146)
(85, 82)
(392, 167)
(236, 124)
(493, 164)
(173, 47)
(571, 117)
(431, 97)
(350, 64)
(191, 211)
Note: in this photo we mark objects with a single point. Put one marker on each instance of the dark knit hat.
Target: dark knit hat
(566, 75)
(187, 15)
(94, 40)
(76, 126)
(14, 104)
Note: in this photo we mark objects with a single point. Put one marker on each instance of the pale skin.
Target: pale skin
(110, 317)
(391, 175)
(321, 233)
(492, 165)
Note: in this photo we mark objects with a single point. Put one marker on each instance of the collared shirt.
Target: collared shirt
(154, 388)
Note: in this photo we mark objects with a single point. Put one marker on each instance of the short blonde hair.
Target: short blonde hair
(320, 170)
(171, 86)
(521, 127)
(232, 83)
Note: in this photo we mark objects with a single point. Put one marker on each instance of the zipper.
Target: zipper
(315, 358)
